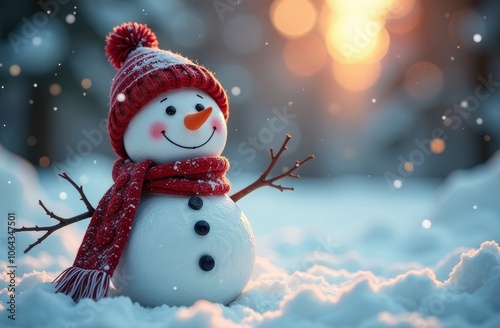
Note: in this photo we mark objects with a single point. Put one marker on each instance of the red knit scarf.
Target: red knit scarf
(111, 223)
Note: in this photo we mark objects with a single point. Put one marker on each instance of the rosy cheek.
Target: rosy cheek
(157, 129)
(217, 124)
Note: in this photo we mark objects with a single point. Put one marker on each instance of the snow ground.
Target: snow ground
(346, 252)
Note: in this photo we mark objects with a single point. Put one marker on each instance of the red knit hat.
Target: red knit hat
(144, 72)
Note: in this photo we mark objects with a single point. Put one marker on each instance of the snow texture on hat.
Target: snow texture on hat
(144, 72)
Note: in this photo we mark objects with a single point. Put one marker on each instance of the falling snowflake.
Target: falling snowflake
(120, 97)
(397, 183)
(70, 18)
(235, 91)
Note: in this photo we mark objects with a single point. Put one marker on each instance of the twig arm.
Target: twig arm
(62, 221)
(263, 181)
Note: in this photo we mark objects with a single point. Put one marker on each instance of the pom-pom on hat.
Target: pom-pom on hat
(144, 72)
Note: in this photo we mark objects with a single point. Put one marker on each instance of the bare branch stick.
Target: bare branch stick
(62, 221)
(263, 181)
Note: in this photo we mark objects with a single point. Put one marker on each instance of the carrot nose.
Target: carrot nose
(194, 121)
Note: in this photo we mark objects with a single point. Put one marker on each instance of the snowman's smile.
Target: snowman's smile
(189, 147)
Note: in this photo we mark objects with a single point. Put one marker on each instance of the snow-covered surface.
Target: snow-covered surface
(346, 252)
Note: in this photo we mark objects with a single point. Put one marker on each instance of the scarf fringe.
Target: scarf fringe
(82, 283)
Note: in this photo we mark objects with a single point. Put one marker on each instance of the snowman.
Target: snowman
(166, 232)
(212, 240)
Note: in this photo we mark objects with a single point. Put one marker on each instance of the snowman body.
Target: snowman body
(177, 254)
(183, 248)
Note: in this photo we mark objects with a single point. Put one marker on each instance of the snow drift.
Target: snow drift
(360, 259)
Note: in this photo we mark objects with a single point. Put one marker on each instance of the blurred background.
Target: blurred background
(393, 88)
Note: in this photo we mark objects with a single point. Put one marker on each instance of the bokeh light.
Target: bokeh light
(241, 78)
(305, 55)
(293, 18)
(70, 18)
(44, 161)
(190, 29)
(355, 40)
(15, 70)
(397, 183)
(401, 8)
(408, 166)
(356, 31)
(426, 223)
(55, 89)
(84, 179)
(31, 141)
(437, 145)
(235, 91)
(243, 34)
(36, 41)
(468, 26)
(424, 80)
(356, 77)
(404, 16)
(86, 83)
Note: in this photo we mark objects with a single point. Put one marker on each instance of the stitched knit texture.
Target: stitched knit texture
(144, 72)
(110, 226)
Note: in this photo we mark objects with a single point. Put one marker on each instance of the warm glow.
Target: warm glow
(86, 83)
(401, 8)
(408, 166)
(356, 77)
(293, 18)
(405, 16)
(356, 32)
(44, 161)
(15, 70)
(437, 145)
(305, 55)
(55, 89)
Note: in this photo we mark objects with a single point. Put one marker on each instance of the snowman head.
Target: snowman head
(156, 101)
(176, 125)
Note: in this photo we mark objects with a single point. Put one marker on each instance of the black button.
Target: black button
(195, 202)
(207, 263)
(202, 227)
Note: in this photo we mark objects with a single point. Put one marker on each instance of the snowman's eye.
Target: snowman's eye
(170, 110)
(199, 107)
(207, 263)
